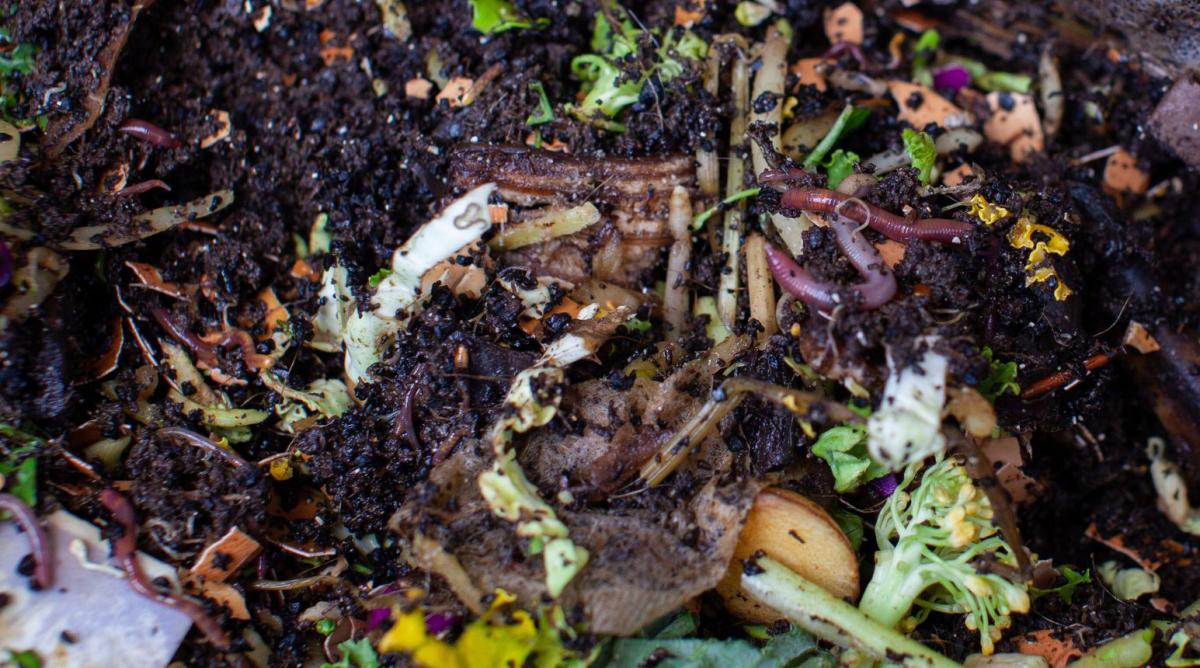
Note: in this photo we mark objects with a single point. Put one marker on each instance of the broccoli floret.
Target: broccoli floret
(930, 541)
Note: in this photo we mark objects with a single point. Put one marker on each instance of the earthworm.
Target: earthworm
(834, 52)
(877, 290)
(181, 435)
(124, 549)
(943, 230)
(204, 352)
(149, 132)
(43, 570)
(143, 186)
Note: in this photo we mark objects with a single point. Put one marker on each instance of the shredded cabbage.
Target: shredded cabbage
(907, 426)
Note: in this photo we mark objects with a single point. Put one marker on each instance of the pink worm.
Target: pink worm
(943, 230)
(877, 289)
(124, 549)
(43, 570)
(149, 132)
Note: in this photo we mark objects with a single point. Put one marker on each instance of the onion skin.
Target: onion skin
(43, 571)
(124, 549)
(942, 230)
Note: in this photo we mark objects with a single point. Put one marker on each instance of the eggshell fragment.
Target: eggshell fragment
(1014, 123)
(891, 251)
(844, 23)
(1121, 175)
(919, 106)
(455, 91)
(806, 72)
(418, 88)
(1139, 338)
(957, 176)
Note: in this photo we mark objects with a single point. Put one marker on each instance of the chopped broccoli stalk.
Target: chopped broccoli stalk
(851, 118)
(1128, 651)
(830, 618)
(930, 540)
(1005, 81)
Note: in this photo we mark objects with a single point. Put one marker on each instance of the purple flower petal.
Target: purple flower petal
(885, 486)
(6, 264)
(376, 617)
(437, 623)
(951, 77)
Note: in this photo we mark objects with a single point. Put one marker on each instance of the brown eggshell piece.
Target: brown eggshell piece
(957, 176)
(844, 23)
(805, 70)
(800, 535)
(418, 88)
(919, 106)
(1014, 122)
(891, 251)
(1121, 175)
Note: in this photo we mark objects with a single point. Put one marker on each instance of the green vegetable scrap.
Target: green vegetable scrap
(492, 17)
(921, 151)
(609, 83)
(1002, 377)
(929, 542)
(844, 448)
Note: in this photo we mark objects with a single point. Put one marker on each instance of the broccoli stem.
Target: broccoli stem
(1128, 651)
(891, 592)
(822, 614)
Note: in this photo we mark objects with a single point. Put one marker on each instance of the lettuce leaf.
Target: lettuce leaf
(921, 151)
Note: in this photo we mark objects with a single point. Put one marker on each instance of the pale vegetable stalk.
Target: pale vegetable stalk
(1051, 93)
(708, 169)
(771, 77)
(831, 619)
(1128, 651)
(675, 298)
(761, 286)
(731, 237)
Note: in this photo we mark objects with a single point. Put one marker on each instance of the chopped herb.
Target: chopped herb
(703, 216)
(545, 112)
(25, 659)
(921, 151)
(326, 626)
(491, 17)
(851, 118)
(1005, 81)
(839, 166)
(1001, 378)
(1065, 590)
(844, 448)
(378, 277)
(356, 654)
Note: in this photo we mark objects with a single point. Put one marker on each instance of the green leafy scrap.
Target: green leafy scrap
(850, 119)
(702, 217)
(25, 658)
(922, 152)
(1002, 377)
(544, 113)
(923, 54)
(851, 524)
(609, 85)
(356, 654)
(1066, 590)
(378, 277)
(19, 466)
(839, 166)
(793, 648)
(492, 17)
(844, 448)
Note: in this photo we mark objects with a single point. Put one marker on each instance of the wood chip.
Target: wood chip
(844, 23)
(418, 88)
(1121, 175)
(891, 251)
(1014, 122)
(455, 90)
(232, 551)
(919, 106)
(806, 72)
(1139, 338)
(957, 176)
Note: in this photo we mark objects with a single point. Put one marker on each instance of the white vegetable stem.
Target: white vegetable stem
(731, 237)
(761, 286)
(907, 426)
(708, 169)
(830, 618)
(675, 298)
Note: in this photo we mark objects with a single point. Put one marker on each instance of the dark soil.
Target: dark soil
(314, 133)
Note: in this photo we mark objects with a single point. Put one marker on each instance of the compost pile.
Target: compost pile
(517, 332)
